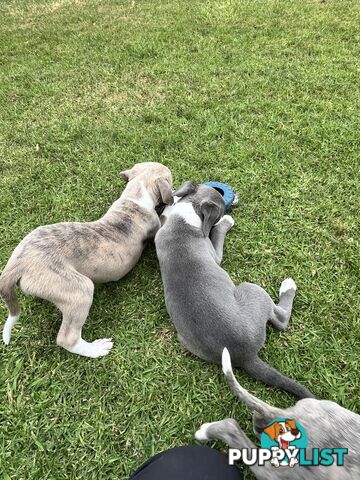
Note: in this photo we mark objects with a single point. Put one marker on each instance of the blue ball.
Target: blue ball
(228, 194)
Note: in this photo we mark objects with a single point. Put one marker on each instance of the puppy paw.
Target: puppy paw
(229, 218)
(101, 347)
(226, 220)
(287, 284)
(98, 348)
(201, 434)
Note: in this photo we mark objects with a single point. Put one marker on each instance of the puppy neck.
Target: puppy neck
(184, 210)
(143, 198)
(136, 192)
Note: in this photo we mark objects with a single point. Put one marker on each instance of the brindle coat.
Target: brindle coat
(61, 262)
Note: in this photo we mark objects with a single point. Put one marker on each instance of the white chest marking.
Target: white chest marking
(184, 210)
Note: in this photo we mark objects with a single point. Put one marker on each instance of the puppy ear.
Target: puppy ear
(185, 189)
(165, 192)
(272, 431)
(211, 213)
(125, 175)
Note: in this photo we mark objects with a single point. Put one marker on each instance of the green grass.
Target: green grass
(263, 95)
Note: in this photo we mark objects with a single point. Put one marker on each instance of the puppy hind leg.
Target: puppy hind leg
(287, 294)
(75, 310)
(8, 293)
(9, 324)
(282, 311)
(69, 336)
(72, 293)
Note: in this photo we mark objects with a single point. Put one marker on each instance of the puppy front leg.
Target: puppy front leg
(217, 235)
(229, 432)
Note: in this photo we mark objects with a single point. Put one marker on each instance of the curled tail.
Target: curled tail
(8, 282)
(260, 370)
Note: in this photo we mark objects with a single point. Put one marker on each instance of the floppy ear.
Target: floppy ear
(185, 189)
(291, 423)
(125, 175)
(211, 213)
(272, 430)
(165, 192)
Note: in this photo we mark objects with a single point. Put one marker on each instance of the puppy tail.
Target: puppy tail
(260, 370)
(8, 281)
(251, 401)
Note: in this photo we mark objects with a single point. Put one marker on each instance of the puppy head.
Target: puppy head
(207, 202)
(155, 177)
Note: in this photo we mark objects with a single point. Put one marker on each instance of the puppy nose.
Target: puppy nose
(295, 431)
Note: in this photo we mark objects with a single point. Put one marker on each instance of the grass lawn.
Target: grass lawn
(263, 95)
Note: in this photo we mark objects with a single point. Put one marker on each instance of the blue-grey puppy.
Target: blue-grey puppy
(208, 310)
(326, 423)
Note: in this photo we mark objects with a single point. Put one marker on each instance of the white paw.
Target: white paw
(226, 219)
(229, 219)
(101, 347)
(201, 434)
(98, 348)
(293, 462)
(287, 284)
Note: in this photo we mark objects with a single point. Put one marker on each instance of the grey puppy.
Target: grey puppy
(61, 262)
(208, 310)
(326, 423)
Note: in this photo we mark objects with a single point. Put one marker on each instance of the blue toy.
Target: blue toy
(228, 194)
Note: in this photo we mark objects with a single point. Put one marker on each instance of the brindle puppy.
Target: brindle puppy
(61, 262)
